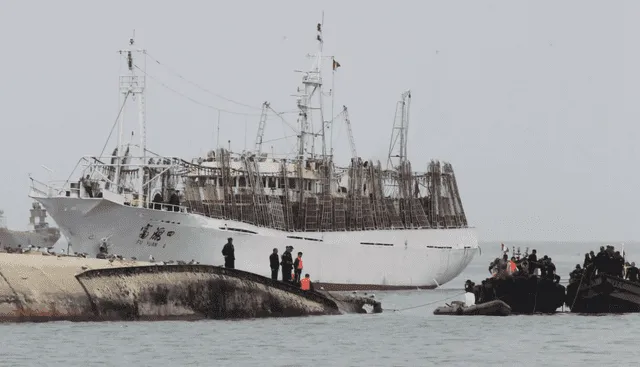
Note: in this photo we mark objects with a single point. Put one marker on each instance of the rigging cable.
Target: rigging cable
(114, 124)
(124, 102)
(193, 100)
(171, 70)
(278, 139)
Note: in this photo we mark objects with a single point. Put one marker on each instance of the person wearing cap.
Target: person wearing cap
(228, 251)
(287, 264)
(275, 265)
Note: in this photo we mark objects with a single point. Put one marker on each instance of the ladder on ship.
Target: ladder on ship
(230, 211)
(380, 215)
(262, 216)
(327, 213)
(339, 214)
(311, 214)
(288, 215)
(355, 196)
(277, 213)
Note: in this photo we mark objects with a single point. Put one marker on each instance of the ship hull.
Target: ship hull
(348, 260)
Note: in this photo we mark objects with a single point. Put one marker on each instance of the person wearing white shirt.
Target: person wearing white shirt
(469, 299)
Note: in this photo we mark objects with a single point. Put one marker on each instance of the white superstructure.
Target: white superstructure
(359, 227)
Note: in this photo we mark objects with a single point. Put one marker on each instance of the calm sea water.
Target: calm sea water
(409, 337)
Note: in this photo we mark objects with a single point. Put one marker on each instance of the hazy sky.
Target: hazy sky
(534, 103)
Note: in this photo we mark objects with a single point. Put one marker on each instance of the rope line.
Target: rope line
(535, 300)
(427, 304)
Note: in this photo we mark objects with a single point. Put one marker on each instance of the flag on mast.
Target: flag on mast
(335, 64)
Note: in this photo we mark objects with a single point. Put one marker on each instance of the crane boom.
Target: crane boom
(352, 142)
(263, 122)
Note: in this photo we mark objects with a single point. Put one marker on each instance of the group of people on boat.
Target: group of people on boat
(523, 281)
(523, 265)
(606, 261)
(291, 269)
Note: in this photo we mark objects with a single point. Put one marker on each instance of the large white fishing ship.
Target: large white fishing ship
(360, 227)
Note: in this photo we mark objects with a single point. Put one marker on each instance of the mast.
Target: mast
(134, 85)
(406, 104)
(400, 131)
(319, 68)
(312, 82)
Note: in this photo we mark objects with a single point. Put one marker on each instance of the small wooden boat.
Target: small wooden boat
(492, 308)
(603, 294)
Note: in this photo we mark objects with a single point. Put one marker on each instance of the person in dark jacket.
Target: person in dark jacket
(587, 261)
(617, 266)
(577, 274)
(287, 264)
(275, 264)
(228, 251)
(533, 261)
(551, 270)
(601, 261)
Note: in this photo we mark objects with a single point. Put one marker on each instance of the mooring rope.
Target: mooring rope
(426, 304)
(579, 285)
(535, 301)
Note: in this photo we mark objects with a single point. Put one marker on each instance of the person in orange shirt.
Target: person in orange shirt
(511, 266)
(305, 283)
(297, 267)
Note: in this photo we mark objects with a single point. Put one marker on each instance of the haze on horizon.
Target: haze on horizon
(534, 103)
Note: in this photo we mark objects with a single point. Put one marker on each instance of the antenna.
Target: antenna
(218, 133)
